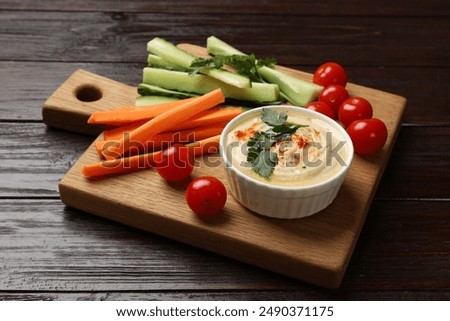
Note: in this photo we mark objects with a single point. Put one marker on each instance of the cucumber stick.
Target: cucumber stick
(297, 91)
(153, 100)
(169, 52)
(151, 90)
(177, 57)
(215, 46)
(201, 84)
(158, 62)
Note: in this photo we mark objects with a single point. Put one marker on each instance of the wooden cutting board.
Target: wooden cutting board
(315, 249)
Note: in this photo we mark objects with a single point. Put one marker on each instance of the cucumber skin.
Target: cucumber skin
(170, 56)
(158, 62)
(200, 84)
(169, 52)
(152, 90)
(297, 91)
(228, 77)
(300, 92)
(153, 100)
(215, 46)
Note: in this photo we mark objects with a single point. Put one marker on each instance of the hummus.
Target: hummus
(309, 156)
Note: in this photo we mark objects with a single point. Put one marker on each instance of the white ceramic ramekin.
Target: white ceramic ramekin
(282, 201)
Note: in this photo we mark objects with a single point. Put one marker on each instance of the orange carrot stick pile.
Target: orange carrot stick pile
(144, 131)
(167, 120)
(163, 140)
(206, 118)
(130, 114)
(144, 161)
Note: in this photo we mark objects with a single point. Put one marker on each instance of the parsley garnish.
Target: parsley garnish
(263, 161)
(272, 118)
(246, 65)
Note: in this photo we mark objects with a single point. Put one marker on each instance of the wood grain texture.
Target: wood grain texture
(282, 7)
(415, 252)
(66, 253)
(82, 94)
(47, 247)
(17, 104)
(394, 46)
(419, 162)
(99, 37)
(224, 295)
(227, 296)
(320, 247)
(34, 159)
(28, 87)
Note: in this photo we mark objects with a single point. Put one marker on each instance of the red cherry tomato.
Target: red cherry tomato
(354, 108)
(321, 107)
(333, 96)
(368, 135)
(175, 163)
(330, 73)
(206, 196)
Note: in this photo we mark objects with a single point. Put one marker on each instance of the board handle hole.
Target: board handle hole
(88, 93)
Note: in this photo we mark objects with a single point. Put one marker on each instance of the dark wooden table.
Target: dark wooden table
(51, 252)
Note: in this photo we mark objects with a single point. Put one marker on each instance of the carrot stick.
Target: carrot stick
(120, 166)
(144, 161)
(127, 114)
(118, 132)
(221, 114)
(163, 140)
(207, 117)
(168, 120)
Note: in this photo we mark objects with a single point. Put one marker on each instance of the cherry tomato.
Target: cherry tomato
(330, 73)
(206, 196)
(354, 108)
(368, 135)
(333, 96)
(175, 163)
(321, 107)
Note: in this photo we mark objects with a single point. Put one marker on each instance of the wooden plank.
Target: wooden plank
(283, 7)
(96, 37)
(27, 87)
(410, 238)
(34, 158)
(313, 295)
(46, 247)
(320, 261)
(419, 165)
